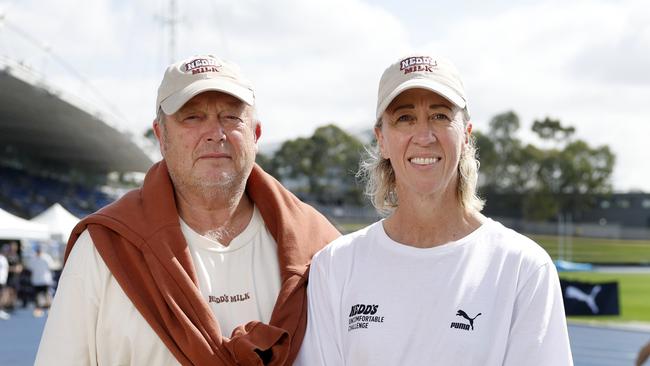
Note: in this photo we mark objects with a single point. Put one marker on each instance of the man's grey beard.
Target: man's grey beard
(228, 186)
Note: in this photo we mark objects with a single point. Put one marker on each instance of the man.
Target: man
(4, 273)
(210, 246)
(41, 268)
(15, 270)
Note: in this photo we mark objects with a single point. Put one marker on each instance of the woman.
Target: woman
(436, 282)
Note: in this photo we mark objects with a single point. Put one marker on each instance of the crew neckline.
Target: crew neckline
(240, 241)
(387, 242)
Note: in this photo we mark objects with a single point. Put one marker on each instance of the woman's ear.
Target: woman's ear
(380, 141)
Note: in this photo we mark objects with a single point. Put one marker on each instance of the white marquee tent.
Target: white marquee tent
(14, 227)
(59, 221)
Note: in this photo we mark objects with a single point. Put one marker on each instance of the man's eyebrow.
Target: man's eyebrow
(190, 106)
(236, 103)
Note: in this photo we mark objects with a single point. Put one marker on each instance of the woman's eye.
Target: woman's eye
(440, 117)
(404, 118)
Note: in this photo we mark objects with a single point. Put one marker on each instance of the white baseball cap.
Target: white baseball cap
(436, 74)
(185, 79)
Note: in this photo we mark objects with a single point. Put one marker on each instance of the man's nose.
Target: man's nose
(215, 130)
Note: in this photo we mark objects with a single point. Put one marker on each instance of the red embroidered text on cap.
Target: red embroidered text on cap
(418, 63)
(201, 65)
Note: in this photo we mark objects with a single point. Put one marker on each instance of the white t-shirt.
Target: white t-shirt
(490, 298)
(93, 322)
(41, 268)
(4, 269)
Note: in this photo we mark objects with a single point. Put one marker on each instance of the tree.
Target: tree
(488, 157)
(500, 153)
(549, 181)
(265, 162)
(552, 129)
(322, 167)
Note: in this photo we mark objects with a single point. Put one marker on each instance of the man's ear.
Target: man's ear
(158, 131)
(258, 130)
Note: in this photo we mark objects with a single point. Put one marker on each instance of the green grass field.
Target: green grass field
(589, 250)
(634, 288)
(634, 295)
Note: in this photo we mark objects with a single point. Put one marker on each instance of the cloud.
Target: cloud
(621, 59)
(583, 62)
(318, 62)
(312, 62)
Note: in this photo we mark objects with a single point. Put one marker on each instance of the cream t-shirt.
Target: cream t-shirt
(240, 281)
(93, 322)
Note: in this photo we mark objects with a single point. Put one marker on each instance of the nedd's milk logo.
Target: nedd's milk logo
(417, 63)
(200, 65)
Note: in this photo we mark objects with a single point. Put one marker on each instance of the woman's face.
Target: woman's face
(423, 134)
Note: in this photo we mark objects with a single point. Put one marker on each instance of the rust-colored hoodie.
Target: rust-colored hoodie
(140, 239)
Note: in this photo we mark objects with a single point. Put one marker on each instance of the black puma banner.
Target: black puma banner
(584, 298)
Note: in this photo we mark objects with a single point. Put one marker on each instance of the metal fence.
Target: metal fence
(367, 215)
(593, 230)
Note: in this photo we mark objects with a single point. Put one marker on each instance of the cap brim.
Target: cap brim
(438, 88)
(174, 102)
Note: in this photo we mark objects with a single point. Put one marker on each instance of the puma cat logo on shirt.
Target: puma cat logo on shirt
(463, 325)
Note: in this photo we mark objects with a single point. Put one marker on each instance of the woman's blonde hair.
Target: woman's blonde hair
(379, 176)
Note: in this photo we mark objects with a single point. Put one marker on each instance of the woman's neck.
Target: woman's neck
(426, 223)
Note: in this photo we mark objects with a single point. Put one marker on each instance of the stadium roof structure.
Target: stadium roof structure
(40, 122)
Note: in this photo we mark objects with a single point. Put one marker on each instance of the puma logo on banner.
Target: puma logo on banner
(590, 299)
(573, 292)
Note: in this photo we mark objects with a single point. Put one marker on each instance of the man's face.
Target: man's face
(210, 143)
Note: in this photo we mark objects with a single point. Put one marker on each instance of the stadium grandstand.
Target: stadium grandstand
(57, 149)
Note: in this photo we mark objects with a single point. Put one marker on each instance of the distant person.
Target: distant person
(206, 264)
(435, 282)
(644, 354)
(4, 273)
(11, 252)
(41, 266)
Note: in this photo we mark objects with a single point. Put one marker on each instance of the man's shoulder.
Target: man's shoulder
(129, 204)
(85, 265)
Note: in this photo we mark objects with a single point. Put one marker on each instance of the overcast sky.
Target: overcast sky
(316, 62)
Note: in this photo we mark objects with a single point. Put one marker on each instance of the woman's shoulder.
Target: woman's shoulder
(512, 243)
(345, 246)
